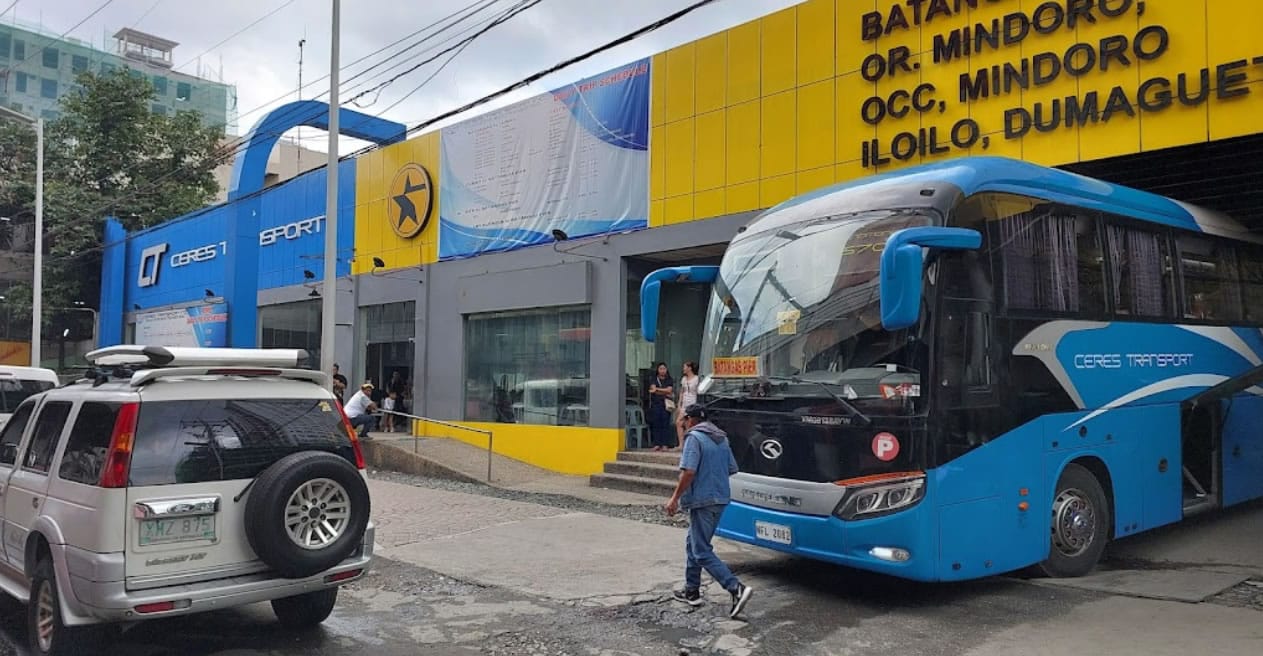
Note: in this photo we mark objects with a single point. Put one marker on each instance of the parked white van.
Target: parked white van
(17, 384)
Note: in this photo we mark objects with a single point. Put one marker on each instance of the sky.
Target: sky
(263, 61)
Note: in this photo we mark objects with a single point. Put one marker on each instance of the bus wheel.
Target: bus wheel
(1080, 524)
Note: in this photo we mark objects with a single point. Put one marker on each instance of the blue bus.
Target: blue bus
(978, 366)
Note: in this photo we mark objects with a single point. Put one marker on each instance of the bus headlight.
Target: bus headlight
(872, 498)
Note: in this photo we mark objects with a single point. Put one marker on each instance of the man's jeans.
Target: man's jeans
(367, 421)
(699, 554)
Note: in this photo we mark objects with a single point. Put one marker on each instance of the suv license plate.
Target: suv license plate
(177, 529)
(774, 532)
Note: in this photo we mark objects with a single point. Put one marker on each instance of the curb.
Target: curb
(391, 455)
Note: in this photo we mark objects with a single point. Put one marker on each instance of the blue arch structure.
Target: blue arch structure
(249, 171)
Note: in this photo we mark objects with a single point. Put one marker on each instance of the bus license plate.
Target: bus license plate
(773, 532)
(177, 529)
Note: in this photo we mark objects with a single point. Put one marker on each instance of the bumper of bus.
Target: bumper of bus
(849, 543)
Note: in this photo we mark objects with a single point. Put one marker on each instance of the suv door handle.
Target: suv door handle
(35, 502)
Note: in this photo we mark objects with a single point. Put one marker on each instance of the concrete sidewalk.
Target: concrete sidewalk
(448, 458)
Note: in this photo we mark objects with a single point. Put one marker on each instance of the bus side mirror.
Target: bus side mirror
(651, 292)
(902, 264)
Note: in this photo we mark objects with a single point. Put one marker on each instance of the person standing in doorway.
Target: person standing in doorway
(339, 385)
(688, 396)
(395, 391)
(661, 405)
(703, 492)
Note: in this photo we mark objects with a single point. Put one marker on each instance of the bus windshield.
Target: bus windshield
(800, 305)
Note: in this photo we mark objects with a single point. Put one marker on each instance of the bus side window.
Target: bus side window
(1251, 259)
(1212, 282)
(965, 340)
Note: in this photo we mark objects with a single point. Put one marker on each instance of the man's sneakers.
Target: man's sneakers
(740, 597)
(690, 597)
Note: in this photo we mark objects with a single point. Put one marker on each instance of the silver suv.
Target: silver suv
(174, 481)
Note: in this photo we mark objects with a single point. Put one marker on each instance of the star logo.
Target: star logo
(411, 200)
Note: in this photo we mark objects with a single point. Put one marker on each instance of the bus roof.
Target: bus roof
(1000, 174)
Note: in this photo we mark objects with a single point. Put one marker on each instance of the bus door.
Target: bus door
(1222, 444)
(966, 354)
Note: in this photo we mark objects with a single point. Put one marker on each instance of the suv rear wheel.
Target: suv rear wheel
(305, 610)
(307, 513)
(47, 634)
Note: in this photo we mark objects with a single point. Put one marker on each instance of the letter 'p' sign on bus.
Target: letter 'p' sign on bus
(885, 447)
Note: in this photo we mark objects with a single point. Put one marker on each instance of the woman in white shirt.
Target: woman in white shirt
(688, 396)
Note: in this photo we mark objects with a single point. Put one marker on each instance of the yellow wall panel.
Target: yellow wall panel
(742, 197)
(657, 213)
(744, 80)
(374, 236)
(779, 134)
(711, 151)
(815, 41)
(1177, 125)
(708, 204)
(564, 449)
(658, 90)
(678, 210)
(852, 131)
(680, 83)
(657, 162)
(850, 48)
(816, 124)
(712, 73)
(1120, 135)
(1234, 27)
(945, 78)
(743, 142)
(779, 52)
(813, 179)
(679, 164)
(775, 190)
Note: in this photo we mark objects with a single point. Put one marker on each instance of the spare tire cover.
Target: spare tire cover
(307, 513)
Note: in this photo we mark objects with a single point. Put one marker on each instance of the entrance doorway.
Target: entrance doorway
(389, 348)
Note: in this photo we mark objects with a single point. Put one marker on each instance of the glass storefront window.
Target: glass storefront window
(292, 325)
(529, 367)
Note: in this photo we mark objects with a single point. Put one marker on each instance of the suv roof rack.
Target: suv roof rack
(136, 356)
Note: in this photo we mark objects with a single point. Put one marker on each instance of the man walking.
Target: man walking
(703, 491)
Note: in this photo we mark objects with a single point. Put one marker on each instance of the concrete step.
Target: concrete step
(643, 470)
(651, 486)
(671, 458)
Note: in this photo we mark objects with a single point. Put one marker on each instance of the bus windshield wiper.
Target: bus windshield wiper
(847, 405)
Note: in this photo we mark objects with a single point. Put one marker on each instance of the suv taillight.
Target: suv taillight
(355, 438)
(119, 459)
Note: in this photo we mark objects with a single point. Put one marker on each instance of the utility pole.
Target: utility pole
(329, 301)
(299, 150)
(37, 284)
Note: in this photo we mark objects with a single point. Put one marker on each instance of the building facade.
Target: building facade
(495, 265)
(37, 69)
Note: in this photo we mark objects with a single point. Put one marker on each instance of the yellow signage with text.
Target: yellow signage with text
(741, 367)
(832, 90)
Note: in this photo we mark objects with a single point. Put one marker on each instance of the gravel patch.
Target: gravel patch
(1245, 595)
(647, 514)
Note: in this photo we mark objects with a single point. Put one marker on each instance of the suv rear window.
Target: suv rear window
(227, 439)
(13, 391)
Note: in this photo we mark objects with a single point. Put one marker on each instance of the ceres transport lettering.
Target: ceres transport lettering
(1131, 360)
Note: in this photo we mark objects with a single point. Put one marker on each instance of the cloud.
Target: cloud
(263, 61)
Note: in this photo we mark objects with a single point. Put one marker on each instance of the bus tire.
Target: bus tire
(1080, 524)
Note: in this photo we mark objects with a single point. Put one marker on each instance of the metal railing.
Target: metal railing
(416, 439)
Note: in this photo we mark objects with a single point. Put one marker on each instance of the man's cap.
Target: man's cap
(695, 411)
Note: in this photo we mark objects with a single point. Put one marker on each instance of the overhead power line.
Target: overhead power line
(63, 35)
(238, 33)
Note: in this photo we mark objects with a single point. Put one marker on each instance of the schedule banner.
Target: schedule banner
(575, 160)
(202, 325)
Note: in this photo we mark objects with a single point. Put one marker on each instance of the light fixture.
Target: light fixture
(307, 273)
(210, 294)
(560, 235)
(65, 333)
(379, 263)
(136, 306)
(314, 294)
